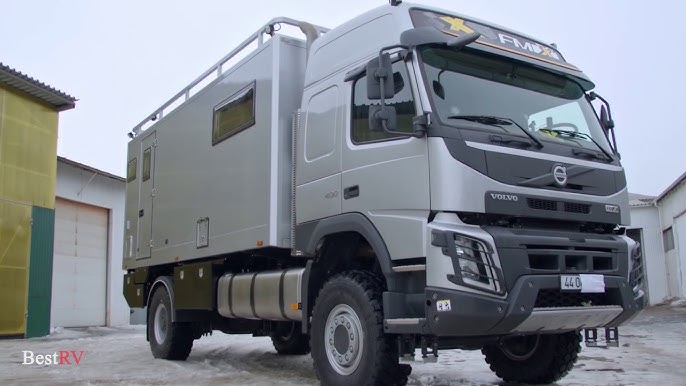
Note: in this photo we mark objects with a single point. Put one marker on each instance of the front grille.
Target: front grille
(577, 208)
(557, 298)
(535, 203)
(555, 206)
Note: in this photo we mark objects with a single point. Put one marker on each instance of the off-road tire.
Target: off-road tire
(288, 339)
(361, 291)
(178, 338)
(551, 360)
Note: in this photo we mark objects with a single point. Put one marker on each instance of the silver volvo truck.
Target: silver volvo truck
(411, 181)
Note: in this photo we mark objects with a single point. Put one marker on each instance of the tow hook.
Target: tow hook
(611, 337)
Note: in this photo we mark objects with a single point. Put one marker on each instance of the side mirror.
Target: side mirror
(438, 89)
(606, 119)
(382, 118)
(379, 70)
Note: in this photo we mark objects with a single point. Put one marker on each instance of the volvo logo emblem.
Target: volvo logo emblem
(504, 197)
(560, 175)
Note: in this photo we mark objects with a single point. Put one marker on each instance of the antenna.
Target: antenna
(395, 3)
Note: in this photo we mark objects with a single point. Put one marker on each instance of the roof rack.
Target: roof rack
(217, 69)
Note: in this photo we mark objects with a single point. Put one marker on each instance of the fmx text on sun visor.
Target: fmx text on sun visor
(490, 36)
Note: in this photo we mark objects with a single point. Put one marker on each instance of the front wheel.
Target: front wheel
(534, 358)
(348, 343)
(168, 340)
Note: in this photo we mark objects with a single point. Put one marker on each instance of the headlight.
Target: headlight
(469, 270)
(475, 267)
(470, 254)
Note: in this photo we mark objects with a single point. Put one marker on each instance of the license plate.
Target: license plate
(585, 283)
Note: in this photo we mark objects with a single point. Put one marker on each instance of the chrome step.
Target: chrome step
(410, 268)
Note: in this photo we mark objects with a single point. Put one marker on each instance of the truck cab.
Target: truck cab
(491, 193)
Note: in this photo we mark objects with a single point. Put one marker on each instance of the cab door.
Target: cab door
(318, 179)
(386, 176)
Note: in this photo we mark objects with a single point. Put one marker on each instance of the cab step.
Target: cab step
(611, 337)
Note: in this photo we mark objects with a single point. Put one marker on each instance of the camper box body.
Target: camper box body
(194, 200)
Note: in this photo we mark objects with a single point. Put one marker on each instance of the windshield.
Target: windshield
(542, 105)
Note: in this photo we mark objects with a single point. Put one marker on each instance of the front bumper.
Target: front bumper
(507, 281)
(528, 309)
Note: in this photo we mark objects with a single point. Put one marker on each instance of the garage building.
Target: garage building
(659, 223)
(87, 273)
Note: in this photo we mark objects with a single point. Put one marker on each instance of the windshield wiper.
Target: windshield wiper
(576, 134)
(497, 122)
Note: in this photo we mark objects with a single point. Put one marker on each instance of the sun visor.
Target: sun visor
(501, 42)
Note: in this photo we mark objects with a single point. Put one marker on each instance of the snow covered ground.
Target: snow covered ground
(651, 352)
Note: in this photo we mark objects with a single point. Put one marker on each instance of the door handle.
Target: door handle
(351, 191)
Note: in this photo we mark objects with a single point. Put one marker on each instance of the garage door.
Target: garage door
(79, 278)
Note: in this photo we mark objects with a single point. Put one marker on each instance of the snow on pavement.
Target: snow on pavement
(650, 352)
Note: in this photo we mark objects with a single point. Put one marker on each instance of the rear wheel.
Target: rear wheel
(534, 358)
(349, 346)
(168, 340)
(288, 339)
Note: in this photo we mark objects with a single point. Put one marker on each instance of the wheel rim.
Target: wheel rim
(520, 348)
(161, 323)
(344, 339)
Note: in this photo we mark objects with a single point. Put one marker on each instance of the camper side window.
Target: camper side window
(235, 114)
(147, 161)
(131, 170)
(402, 101)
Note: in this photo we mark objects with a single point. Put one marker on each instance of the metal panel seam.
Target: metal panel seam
(281, 297)
(274, 145)
(252, 295)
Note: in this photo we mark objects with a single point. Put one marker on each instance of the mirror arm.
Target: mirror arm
(419, 123)
(593, 95)
(382, 100)
(609, 129)
(382, 79)
(607, 104)
(416, 133)
(387, 48)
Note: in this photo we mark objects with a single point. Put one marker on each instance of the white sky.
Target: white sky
(123, 59)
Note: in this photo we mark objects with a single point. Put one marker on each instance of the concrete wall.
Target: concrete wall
(81, 185)
(680, 249)
(673, 206)
(647, 219)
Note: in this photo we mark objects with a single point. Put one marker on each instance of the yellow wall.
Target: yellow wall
(28, 150)
(28, 167)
